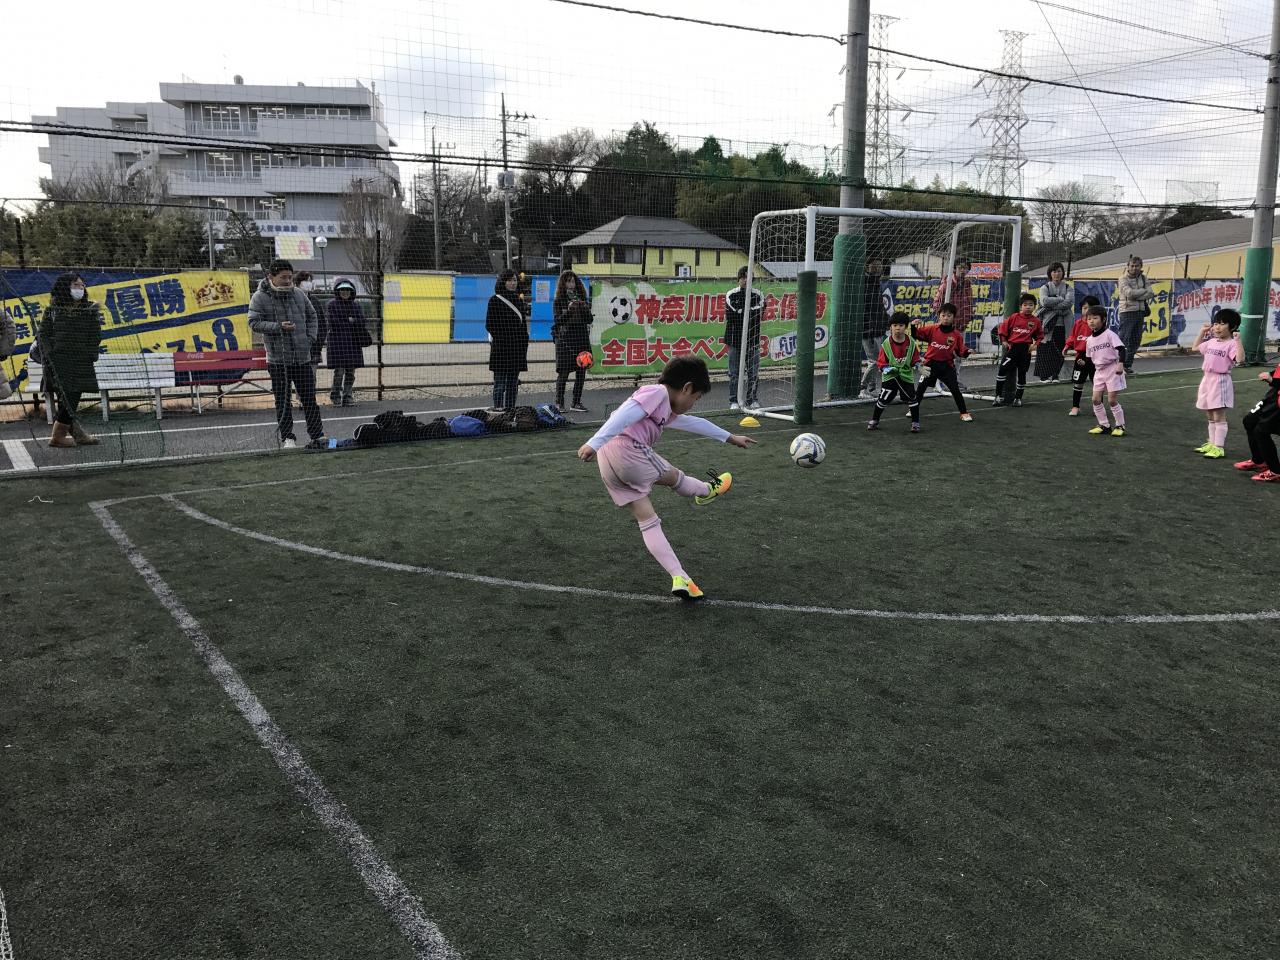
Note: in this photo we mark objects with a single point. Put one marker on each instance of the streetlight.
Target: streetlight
(322, 242)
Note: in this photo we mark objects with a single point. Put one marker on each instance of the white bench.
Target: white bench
(115, 372)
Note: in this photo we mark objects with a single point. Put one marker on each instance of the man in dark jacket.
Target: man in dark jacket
(875, 324)
(287, 322)
(733, 313)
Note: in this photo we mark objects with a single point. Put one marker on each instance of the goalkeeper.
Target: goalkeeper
(899, 357)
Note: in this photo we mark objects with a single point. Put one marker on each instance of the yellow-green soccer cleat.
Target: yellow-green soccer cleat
(1117, 431)
(719, 486)
(1204, 447)
(685, 589)
(1099, 429)
(1214, 453)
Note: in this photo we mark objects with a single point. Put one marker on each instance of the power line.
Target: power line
(705, 23)
(1142, 26)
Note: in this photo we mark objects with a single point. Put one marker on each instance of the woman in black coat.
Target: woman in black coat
(346, 336)
(571, 332)
(508, 341)
(69, 335)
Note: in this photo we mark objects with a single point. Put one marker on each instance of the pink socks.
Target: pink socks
(686, 486)
(1117, 411)
(656, 541)
(1218, 433)
(1100, 411)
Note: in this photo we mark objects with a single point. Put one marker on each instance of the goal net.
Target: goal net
(890, 260)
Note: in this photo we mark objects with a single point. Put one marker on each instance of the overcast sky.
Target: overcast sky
(569, 66)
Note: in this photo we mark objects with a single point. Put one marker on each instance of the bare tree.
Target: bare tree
(1064, 216)
(557, 165)
(103, 184)
(374, 223)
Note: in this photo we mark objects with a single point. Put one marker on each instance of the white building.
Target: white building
(278, 154)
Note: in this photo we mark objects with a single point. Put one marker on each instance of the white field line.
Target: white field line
(405, 909)
(18, 456)
(345, 475)
(1159, 618)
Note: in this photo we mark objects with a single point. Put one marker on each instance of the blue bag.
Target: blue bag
(549, 415)
(465, 426)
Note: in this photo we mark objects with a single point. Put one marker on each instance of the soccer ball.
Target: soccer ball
(808, 450)
(585, 359)
(620, 308)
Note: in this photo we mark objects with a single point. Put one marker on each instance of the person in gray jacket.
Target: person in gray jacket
(1135, 294)
(1057, 309)
(285, 319)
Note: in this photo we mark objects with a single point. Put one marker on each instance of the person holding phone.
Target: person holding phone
(285, 319)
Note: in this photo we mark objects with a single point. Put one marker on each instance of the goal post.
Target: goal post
(806, 331)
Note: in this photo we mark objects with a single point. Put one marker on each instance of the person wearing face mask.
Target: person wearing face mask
(345, 342)
(285, 319)
(305, 281)
(508, 341)
(69, 334)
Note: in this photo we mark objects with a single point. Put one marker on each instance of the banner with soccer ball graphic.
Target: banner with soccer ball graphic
(638, 326)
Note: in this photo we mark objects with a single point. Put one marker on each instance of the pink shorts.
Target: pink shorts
(1215, 392)
(1111, 378)
(629, 469)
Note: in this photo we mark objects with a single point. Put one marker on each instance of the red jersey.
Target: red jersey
(1079, 337)
(1018, 328)
(943, 345)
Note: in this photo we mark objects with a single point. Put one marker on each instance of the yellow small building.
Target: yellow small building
(1212, 250)
(656, 247)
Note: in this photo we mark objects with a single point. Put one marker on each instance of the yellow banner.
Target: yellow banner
(173, 312)
(416, 309)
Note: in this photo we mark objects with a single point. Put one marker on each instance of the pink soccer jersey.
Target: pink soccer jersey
(656, 404)
(1219, 355)
(1102, 348)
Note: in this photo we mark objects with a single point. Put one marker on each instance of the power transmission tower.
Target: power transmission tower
(1000, 165)
(885, 152)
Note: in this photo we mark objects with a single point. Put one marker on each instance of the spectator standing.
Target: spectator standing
(347, 336)
(957, 291)
(1135, 294)
(571, 331)
(875, 324)
(8, 341)
(508, 341)
(1057, 307)
(735, 308)
(69, 335)
(289, 327)
(305, 281)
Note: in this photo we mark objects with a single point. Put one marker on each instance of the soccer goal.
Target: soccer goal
(825, 298)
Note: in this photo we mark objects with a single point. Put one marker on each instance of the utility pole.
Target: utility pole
(850, 251)
(1258, 261)
(435, 195)
(505, 182)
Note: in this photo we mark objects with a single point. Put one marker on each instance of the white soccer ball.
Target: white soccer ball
(620, 308)
(808, 450)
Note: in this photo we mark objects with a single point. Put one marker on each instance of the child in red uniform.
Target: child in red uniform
(1077, 340)
(1018, 332)
(944, 342)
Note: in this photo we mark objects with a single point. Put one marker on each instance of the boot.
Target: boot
(61, 436)
(82, 436)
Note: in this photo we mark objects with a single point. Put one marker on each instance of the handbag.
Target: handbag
(363, 337)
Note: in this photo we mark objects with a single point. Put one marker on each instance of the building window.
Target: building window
(323, 157)
(257, 114)
(272, 209)
(628, 254)
(603, 255)
(263, 161)
(662, 255)
(697, 258)
(326, 112)
(717, 258)
(220, 164)
(220, 116)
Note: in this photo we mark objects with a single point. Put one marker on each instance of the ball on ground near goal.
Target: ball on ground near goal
(620, 308)
(808, 450)
(585, 359)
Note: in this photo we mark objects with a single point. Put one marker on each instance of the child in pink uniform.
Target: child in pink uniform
(1221, 352)
(623, 449)
(1106, 352)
